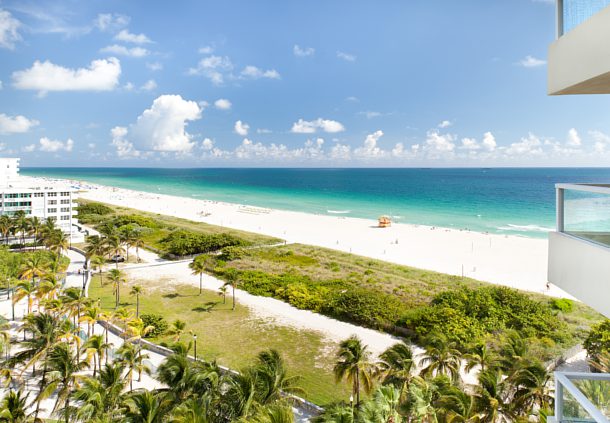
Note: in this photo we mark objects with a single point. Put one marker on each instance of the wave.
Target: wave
(338, 211)
(525, 228)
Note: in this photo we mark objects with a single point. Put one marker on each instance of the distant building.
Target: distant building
(47, 201)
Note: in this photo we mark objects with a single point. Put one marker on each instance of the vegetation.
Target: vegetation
(169, 235)
(597, 342)
(510, 387)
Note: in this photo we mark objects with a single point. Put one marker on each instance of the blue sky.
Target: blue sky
(292, 83)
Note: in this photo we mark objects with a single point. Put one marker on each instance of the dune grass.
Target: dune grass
(233, 338)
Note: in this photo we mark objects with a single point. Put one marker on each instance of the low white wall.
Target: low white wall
(582, 269)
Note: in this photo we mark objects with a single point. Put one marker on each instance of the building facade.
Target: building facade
(579, 248)
(45, 201)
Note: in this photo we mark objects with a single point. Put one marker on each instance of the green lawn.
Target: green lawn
(233, 338)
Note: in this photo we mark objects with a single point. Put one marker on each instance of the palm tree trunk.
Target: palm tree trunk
(200, 280)
(137, 305)
(357, 388)
(233, 297)
(137, 254)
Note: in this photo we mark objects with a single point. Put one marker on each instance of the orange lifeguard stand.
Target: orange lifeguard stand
(385, 222)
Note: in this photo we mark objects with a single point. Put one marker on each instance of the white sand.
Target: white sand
(514, 261)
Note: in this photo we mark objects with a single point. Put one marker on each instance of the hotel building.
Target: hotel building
(579, 249)
(47, 201)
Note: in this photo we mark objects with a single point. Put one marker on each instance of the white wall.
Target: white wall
(582, 269)
(9, 171)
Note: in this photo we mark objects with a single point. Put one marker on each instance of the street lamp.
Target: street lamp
(351, 404)
(195, 338)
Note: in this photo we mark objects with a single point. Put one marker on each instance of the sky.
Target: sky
(318, 83)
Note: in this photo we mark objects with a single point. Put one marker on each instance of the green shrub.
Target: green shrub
(183, 243)
(562, 304)
(157, 321)
(143, 221)
(364, 306)
(232, 253)
(598, 340)
(93, 208)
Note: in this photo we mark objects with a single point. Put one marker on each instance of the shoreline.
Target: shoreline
(511, 260)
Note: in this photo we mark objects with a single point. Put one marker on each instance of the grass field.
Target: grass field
(233, 338)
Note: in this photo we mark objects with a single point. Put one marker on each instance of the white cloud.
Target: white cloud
(263, 131)
(222, 104)
(29, 148)
(127, 37)
(532, 62)
(124, 148)
(53, 146)
(438, 144)
(129, 86)
(91, 145)
(370, 150)
(101, 75)
(154, 66)
(310, 127)
(149, 85)
(206, 50)
(370, 114)
(346, 56)
(9, 30)
(214, 68)
(341, 152)
(125, 51)
(241, 128)
(303, 52)
(601, 141)
(352, 99)
(252, 72)
(469, 144)
(111, 21)
(445, 124)
(489, 141)
(16, 124)
(207, 144)
(163, 126)
(573, 138)
(1, 86)
(528, 146)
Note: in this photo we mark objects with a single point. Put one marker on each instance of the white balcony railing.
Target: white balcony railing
(582, 397)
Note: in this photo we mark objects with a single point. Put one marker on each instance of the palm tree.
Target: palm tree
(34, 267)
(532, 383)
(441, 358)
(6, 226)
(116, 277)
(57, 241)
(90, 316)
(25, 289)
(137, 290)
(222, 291)
(22, 224)
(177, 329)
(50, 286)
(492, 398)
(96, 347)
(138, 242)
(198, 267)
(97, 262)
(272, 378)
(396, 366)
(99, 397)
(195, 410)
(64, 367)
(481, 356)
(115, 249)
(146, 407)
(96, 246)
(35, 228)
(232, 280)
(131, 356)
(13, 408)
(354, 365)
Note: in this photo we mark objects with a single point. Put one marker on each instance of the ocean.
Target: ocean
(496, 200)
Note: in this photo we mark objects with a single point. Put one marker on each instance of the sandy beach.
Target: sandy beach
(514, 261)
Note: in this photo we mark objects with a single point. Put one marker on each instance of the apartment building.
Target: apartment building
(579, 249)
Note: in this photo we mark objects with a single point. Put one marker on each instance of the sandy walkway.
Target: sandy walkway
(514, 261)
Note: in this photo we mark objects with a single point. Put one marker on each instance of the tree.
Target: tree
(96, 247)
(177, 329)
(35, 266)
(232, 280)
(99, 397)
(96, 348)
(532, 382)
(146, 407)
(6, 226)
(57, 241)
(492, 398)
(354, 365)
(25, 289)
(131, 356)
(198, 267)
(222, 291)
(35, 228)
(441, 358)
(272, 378)
(22, 224)
(481, 356)
(137, 290)
(97, 262)
(396, 366)
(115, 249)
(138, 242)
(117, 278)
(13, 408)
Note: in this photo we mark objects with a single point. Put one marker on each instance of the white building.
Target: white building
(579, 249)
(46, 201)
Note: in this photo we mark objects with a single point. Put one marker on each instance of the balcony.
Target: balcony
(578, 60)
(581, 397)
(579, 251)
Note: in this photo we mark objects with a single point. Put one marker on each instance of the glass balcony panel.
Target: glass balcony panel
(587, 215)
(596, 391)
(576, 12)
(573, 412)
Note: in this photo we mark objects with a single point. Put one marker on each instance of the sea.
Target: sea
(517, 201)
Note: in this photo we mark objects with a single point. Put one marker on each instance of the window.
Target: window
(65, 201)
(52, 218)
(25, 195)
(39, 194)
(65, 218)
(52, 202)
(65, 194)
(52, 194)
(65, 209)
(53, 210)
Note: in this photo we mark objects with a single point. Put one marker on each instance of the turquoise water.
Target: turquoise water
(499, 200)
